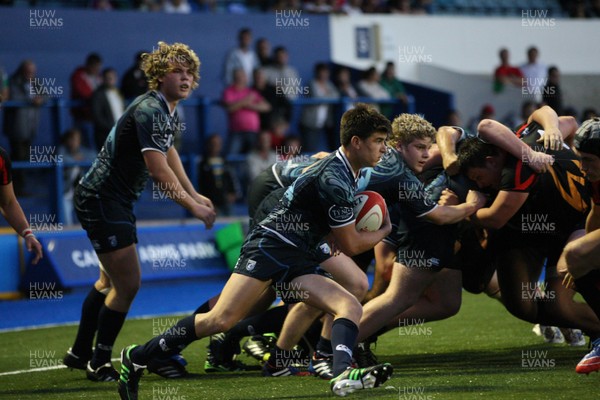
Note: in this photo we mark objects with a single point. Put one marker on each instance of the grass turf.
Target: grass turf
(483, 352)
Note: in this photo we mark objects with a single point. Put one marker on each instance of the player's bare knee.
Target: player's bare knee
(359, 288)
(574, 258)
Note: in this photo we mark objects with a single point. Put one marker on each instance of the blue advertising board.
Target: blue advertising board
(165, 252)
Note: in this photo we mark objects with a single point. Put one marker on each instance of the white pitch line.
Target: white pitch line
(41, 369)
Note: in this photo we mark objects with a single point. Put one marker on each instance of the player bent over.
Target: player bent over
(137, 147)
(322, 198)
(581, 257)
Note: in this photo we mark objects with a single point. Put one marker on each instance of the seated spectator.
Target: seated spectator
(261, 158)
(71, 151)
(352, 7)
(280, 105)
(21, 124)
(506, 74)
(177, 7)
(243, 105)
(263, 52)
(588, 113)
(134, 81)
(242, 56)
(370, 87)
(344, 83)
(318, 121)
(279, 129)
(290, 149)
(487, 112)
(283, 76)
(373, 7)
(84, 80)
(318, 7)
(216, 177)
(107, 107)
(394, 87)
(552, 95)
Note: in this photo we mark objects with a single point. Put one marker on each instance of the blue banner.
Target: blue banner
(165, 252)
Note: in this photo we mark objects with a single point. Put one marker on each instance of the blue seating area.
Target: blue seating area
(507, 8)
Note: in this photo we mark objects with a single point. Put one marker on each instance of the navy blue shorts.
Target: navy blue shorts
(109, 224)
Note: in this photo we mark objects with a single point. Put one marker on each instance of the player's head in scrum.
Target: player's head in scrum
(413, 136)
(587, 146)
(364, 132)
(173, 69)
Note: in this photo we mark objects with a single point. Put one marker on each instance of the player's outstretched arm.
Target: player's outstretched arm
(163, 175)
(175, 164)
(505, 205)
(500, 135)
(446, 139)
(447, 214)
(12, 211)
(556, 129)
(352, 242)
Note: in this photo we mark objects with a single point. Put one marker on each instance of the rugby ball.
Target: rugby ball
(369, 210)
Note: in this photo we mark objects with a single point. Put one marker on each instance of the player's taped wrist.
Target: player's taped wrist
(27, 232)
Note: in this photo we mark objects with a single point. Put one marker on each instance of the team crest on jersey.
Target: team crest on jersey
(340, 214)
(250, 265)
(112, 240)
(162, 140)
(325, 248)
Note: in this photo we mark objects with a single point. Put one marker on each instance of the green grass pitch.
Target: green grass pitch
(482, 353)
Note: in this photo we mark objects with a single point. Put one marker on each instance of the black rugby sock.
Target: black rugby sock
(88, 324)
(343, 338)
(110, 323)
(589, 287)
(167, 344)
(266, 322)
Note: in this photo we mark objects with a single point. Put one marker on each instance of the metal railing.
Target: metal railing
(60, 121)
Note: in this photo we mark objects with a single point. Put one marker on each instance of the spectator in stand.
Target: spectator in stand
(370, 87)
(506, 74)
(551, 94)
(84, 80)
(395, 88)
(588, 113)
(290, 149)
(149, 5)
(134, 81)
(3, 84)
(243, 105)
(372, 7)
(487, 112)
(352, 7)
(216, 177)
(21, 123)
(318, 121)
(283, 76)
(107, 106)
(344, 85)
(263, 52)
(241, 57)
(318, 7)
(279, 129)
(399, 7)
(527, 108)
(535, 74)
(281, 108)
(453, 118)
(177, 7)
(287, 5)
(261, 157)
(72, 151)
